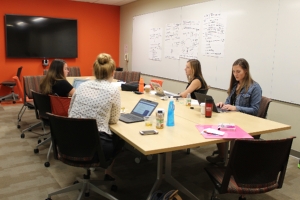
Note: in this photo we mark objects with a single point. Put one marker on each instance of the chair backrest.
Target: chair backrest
(76, 141)
(31, 83)
(263, 107)
(73, 71)
(19, 72)
(127, 76)
(60, 105)
(258, 163)
(42, 104)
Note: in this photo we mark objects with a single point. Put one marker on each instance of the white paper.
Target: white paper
(213, 34)
(155, 44)
(172, 41)
(190, 36)
(212, 131)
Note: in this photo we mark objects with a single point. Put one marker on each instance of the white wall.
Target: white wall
(278, 111)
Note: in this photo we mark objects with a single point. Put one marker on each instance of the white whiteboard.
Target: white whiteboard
(264, 32)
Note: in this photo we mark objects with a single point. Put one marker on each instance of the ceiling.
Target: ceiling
(108, 2)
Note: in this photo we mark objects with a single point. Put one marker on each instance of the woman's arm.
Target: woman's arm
(254, 101)
(116, 107)
(195, 84)
(72, 92)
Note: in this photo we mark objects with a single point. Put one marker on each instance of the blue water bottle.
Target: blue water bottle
(170, 117)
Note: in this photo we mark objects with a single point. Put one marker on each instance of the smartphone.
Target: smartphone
(149, 132)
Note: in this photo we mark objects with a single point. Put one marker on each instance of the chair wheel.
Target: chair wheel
(149, 157)
(39, 141)
(22, 135)
(48, 199)
(36, 150)
(14, 102)
(137, 160)
(242, 198)
(188, 151)
(47, 164)
(87, 194)
(18, 126)
(107, 177)
(114, 188)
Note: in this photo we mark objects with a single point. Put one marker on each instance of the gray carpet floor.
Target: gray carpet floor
(23, 175)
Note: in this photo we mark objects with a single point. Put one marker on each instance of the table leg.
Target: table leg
(168, 177)
(160, 176)
(226, 153)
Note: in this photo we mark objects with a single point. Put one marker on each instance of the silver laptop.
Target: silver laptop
(201, 99)
(160, 92)
(143, 108)
(78, 81)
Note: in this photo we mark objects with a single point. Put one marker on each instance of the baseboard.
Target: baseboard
(295, 153)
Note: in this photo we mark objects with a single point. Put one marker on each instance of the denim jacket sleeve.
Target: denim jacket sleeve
(248, 102)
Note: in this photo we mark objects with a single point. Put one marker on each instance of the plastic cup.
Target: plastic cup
(147, 88)
(148, 120)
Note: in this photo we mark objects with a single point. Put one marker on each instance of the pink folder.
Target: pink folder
(229, 134)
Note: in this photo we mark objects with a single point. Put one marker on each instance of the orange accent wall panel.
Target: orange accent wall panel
(98, 32)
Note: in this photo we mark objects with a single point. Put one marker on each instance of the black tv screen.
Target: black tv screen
(40, 37)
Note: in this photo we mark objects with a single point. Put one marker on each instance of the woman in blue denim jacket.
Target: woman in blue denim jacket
(244, 96)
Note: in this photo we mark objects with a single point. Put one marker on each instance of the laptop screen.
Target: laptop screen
(144, 107)
(78, 81)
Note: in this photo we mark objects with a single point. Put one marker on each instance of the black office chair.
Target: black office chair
(262, 113)
(11, 84)
(29, 83)
(76, 143)
(43, 106)
(255, 166)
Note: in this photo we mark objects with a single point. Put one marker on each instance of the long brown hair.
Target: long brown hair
(196, 71)
(55, 72)
(104, 66)
(246, 82)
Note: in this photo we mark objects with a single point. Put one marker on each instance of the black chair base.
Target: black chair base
(84, 185)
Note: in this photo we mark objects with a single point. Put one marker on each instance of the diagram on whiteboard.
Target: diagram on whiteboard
(172, 41)
(213, 34)
(155, 44)
(190, 35)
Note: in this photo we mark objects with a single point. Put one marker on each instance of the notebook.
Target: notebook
(143, 108)
(160, 92)
(201, 99)
(78, 81)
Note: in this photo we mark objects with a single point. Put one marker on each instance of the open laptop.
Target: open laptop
(201, 99)
(143, 108)
(78, 81)
(160, 92)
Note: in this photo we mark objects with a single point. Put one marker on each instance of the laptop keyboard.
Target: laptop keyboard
(130, 116)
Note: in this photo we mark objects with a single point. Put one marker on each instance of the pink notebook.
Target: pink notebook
(229, 134)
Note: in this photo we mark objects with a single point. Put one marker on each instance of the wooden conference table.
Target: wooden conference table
(183, 135)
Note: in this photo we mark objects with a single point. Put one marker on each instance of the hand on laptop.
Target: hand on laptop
(228, 107)
(220, 104)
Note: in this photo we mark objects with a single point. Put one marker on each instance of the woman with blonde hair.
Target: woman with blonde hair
(99, 99)
(196, 82)
(55, 80)
(244, 95)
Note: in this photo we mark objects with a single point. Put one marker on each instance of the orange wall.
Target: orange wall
(98, 31)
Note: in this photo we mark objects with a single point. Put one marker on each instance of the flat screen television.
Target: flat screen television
(40, 37)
